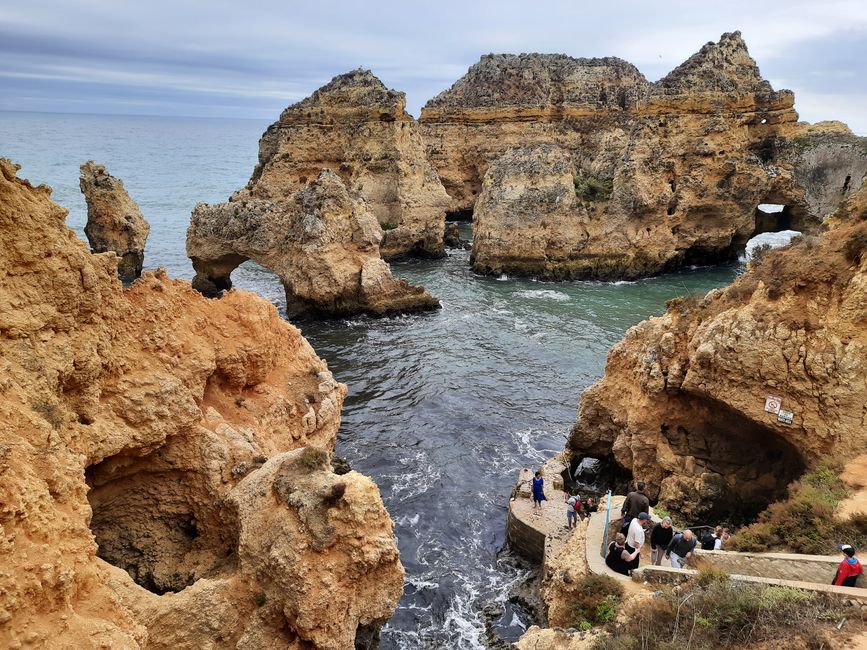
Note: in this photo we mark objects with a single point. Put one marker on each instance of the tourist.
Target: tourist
(634, 503)
(573, 509)
(710, 539)
(635, 537)
(849, 569)
(538, 491)
(680, 548)
(726, 535)
(618, 558)
(589, 506)
(719, 533)
(660, 537)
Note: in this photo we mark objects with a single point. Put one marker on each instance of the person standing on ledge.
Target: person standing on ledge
(680, 548)
(660, 536)
(573, 509)
(635, 538)
(538, 490)
(849, 569)
(635, 502)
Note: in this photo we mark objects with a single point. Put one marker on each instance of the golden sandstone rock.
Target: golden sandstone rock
(114, 221)
(153, 489)
(322, 244)
(682, 402)
(665, 174)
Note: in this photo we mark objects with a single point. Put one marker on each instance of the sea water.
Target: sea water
(443, 408)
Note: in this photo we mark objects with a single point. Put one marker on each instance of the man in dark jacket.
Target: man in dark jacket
(636, 502)
(680, 548)
(659, 540)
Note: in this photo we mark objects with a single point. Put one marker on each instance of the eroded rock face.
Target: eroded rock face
(682, 402)
(114, 222)
(146, 448)
(669, 173)
(359, 129)
(322, 244)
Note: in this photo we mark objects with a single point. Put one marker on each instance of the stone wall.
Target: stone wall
(783, 566)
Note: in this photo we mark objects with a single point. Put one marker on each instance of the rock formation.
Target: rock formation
(683, 400)
(665, 174)
(164, 462)
(114, 222)
(359, 129)
(322, 244)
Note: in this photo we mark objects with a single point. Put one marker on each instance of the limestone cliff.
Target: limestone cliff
(153, 489)
(322, 244)
(360, 129)
(666, 174)
(114, 221)
(683, 400)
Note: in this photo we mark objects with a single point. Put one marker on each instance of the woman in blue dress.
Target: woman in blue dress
(538, 494)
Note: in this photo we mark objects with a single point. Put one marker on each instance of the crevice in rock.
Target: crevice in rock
(465, 216)
(158, 522)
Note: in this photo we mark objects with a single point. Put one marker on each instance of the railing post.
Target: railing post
(607, 518)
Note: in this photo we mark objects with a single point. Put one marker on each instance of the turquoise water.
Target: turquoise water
(444, 408)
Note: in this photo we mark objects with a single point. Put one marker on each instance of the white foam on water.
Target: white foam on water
(517, 622)
(772, 239)
(543, 294)
(502, 277)
(618, 283)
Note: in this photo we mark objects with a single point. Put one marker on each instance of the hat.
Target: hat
(643, 515)
(847, 549)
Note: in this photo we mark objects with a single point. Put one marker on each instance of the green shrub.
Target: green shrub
(722, 614)
(805, 522)
(388, 226)
(591, 188)
(597, 600)
(260, 598)
(312, 458)
(709, 575)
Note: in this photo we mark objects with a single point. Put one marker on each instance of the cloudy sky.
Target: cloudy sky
(231, 58)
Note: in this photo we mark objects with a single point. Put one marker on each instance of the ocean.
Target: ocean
(443, 409)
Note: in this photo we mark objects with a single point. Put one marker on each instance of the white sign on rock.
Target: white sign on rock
(773, 404)
(785, 417)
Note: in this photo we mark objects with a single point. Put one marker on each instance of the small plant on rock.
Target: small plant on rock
(312, 458)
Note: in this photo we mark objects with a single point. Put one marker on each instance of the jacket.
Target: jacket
(679, 546)
(635, 503)
(848, 572)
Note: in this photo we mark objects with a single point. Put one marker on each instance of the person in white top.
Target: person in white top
(635, 537)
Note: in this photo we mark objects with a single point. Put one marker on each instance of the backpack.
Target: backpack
(577, 505)
(708, 541)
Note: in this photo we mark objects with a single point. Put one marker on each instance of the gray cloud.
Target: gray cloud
(252, 59)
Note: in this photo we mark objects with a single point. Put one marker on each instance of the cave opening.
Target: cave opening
(732, 466)
(159, 523)
(594, 476)
(460, 216)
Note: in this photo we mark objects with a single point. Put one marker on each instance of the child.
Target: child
(849, 569)
(538, 494)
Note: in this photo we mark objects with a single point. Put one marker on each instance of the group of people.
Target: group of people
(624, 553)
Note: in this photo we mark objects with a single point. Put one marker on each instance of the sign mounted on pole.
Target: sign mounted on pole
(773, 404)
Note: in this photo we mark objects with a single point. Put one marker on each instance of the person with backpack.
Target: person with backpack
(849, 569)
(618, 558)
(709, 541)
(573, 509)
(680, 548)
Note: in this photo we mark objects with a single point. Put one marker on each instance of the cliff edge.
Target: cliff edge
(164, 462)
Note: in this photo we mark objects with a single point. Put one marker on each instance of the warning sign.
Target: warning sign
(785, 417)
(773, 404)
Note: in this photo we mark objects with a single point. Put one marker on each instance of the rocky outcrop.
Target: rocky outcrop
(114, 222)
(164, 462)
(359, 129)
(665, 174)
(684, 400)
(322, 244)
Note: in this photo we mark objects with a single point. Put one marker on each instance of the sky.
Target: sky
(219, 58)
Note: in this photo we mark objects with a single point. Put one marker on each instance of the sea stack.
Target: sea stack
(323, 244)
(114, 221)
(359, 129)
(665, 175)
